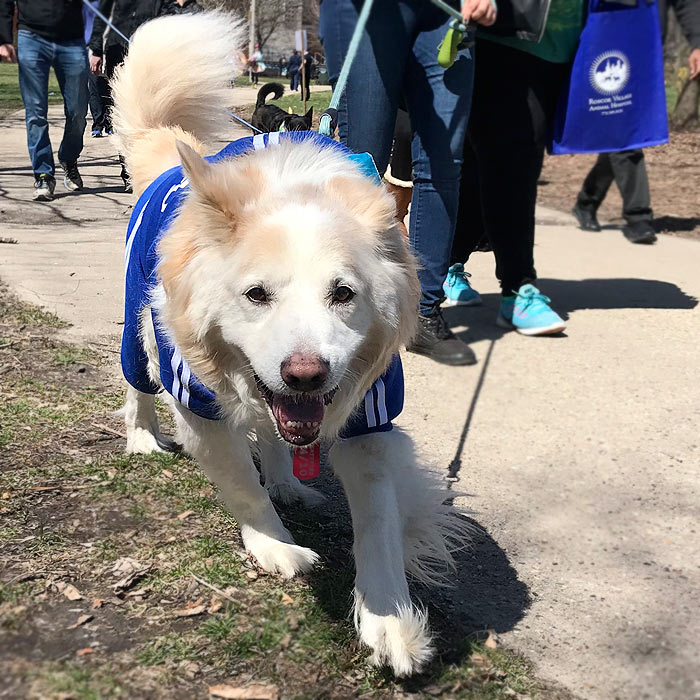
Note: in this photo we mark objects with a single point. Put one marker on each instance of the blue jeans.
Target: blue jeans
(69, 61)
(397, 58)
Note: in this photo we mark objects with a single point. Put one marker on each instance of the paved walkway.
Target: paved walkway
(581, 454)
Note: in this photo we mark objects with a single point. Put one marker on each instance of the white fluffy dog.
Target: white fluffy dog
(272, 298)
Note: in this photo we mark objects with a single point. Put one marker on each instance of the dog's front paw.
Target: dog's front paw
(140, 441)
(401, 641)
(292, 491)
(286, 559)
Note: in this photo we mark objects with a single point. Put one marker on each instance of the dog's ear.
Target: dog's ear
(372, 206)
(309, 116)
(195, 167)
(224, 189)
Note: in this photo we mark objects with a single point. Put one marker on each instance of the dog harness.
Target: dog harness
(151, 217)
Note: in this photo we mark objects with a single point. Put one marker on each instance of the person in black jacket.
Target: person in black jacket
(628, 168)
(108, 48)
(50, 35)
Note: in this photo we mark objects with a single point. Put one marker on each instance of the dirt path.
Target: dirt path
(581, 455)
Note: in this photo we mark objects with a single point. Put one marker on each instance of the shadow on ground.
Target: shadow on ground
(484, 592)
(573, 295)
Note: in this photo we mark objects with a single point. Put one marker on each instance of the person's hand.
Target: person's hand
(479, 11)
(95, 64)
(694, 63)
(8, 53)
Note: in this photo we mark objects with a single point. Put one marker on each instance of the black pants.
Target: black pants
(628, 170)
(113, 57)
(515, 97)
(401, 163)
(98, 88)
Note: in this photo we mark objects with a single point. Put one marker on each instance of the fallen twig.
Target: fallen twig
(216, 590)
(107, 429)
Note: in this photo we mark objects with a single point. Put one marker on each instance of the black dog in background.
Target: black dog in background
(269, 118)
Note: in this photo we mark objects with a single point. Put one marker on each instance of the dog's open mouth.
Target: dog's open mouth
(299, 416)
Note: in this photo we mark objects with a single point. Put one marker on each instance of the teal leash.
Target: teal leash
(330, 116)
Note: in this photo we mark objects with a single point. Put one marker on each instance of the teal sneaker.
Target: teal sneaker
(529, 313)
(457, 288)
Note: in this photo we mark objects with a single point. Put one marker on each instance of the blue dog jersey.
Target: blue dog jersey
(152, 215)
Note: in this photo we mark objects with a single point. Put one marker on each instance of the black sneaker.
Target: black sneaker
(71, 176)
(587, 219)
(128, 187)
(44, 185)
(640, 232)
(436, 341)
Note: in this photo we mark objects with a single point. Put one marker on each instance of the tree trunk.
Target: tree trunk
(685, 114)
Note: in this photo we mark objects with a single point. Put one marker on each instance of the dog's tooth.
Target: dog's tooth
(288, 424)
(314, 424)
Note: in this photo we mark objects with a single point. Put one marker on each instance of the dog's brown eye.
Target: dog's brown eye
(342, 294)
(257, 295)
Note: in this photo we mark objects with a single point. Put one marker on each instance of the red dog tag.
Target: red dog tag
(306, 463)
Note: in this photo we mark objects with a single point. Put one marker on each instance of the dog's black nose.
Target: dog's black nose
(304, 372)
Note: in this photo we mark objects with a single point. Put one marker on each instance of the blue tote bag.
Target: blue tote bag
(615, 99)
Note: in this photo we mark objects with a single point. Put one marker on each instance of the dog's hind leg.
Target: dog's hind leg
(385, 618)
(225, 457)
(276, 465)
(142, 435)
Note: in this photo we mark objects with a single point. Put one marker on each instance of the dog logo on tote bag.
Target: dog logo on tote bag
(610, 72)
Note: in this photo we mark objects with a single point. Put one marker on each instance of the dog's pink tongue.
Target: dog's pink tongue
(297, 409)
(306, 463)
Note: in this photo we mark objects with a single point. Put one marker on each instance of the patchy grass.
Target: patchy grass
(10, 98)
(141, 545)
(319, 101)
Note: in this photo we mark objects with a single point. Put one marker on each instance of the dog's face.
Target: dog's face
(309, 285)
(296, 122)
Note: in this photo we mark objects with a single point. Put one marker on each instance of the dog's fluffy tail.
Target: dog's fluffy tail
(174, 84)
(275, 89)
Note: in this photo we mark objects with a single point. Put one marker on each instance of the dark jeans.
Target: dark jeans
(628, 170)
(69, 61)
(398, 55)
(97, 89)
(294, 79)
(515, 96)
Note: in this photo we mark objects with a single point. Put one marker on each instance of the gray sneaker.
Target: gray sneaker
(44, 185)
(71, 176)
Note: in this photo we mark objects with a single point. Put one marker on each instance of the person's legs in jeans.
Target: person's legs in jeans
(366, 120)
(35, 55)
(71, 67)
(438, 103)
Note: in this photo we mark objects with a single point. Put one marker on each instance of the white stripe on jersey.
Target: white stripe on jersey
(273, 139)
(183, 183)
(186, 374)
(130, 242)
(381, 402)
(259, 141)
(175, 364)
(369, 409)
